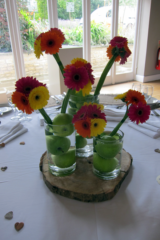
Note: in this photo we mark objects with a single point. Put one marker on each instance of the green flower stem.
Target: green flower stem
(45, 115)
(60, 64)
(104, 74)
(65, 101)
(119, 124)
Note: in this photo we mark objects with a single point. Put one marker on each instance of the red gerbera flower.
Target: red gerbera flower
(118, 42)
(139, 113)
(80, 115)
(89, 70)
(94, 112)
(21, 102)
(83, 127)
(76, 78)
(26, 84)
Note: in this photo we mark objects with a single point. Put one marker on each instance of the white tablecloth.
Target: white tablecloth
(133, 214)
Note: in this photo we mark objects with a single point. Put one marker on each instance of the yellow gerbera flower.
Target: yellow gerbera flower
(38, 97)
(121, 96)
(74, 60)
(37, 48)
(97, 126)
(100, 106)
(87, 88)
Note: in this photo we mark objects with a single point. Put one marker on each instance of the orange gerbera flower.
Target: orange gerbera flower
(79, 64)
(51, 42)
(67, 67)
(134, 97)
(83, 127)
(21, 102)
(110, 53)
(59, 33)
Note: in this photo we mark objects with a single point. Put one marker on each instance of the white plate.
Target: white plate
(5, 109)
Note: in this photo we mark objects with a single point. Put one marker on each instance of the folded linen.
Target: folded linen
(10, 131)
(151, 128)
(114, 114)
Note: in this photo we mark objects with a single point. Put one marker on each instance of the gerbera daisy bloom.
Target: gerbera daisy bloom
(21, 102)
(38, 97)
(83, 127)
(37, 48)
(59, 33)
(87, 88)
(76, 78)
(118, 42)
(94, 112)
(99, 106)
(89, 70)
(79, 60)
(134, 97)
(67, 67)
(97, 126)
(139, 113)
(80, 115)
(79, 64)
(121, 96)
(110, 52)
(51, 42)
(26, 84)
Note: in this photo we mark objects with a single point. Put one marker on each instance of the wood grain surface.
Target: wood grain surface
(83, 185)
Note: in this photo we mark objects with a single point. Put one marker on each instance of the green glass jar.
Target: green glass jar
(84, 146)
(61, 151)
(107, 154)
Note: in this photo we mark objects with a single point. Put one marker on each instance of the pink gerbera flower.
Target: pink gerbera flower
(76, 78)
(89, 70)
(94, 112)
(139, 113)
(81, 114)
(118, 42)
(26, 84)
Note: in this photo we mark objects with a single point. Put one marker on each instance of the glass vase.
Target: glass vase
(107, 154)
(60, 143)
(84, 146)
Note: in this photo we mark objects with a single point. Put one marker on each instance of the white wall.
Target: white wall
(148, 41)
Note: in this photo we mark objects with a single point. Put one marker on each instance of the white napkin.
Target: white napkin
(151, 128)
(11, 130)
(114, 114)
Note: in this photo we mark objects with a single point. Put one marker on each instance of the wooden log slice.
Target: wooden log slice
(83, 185)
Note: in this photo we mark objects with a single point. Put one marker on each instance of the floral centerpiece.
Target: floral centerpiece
(87, 116)
(90, 121)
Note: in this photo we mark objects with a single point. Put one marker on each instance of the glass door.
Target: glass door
(108, 19)
(126, 28)
(7, 71)
(33, 19)
(101, 20)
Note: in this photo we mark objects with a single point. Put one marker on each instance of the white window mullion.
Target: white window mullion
(115, 11)
(86, 12)
(14, 30)
(52, 13)
(136, 38)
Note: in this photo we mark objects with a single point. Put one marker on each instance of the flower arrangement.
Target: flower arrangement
(31, 95)
(90, 121)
